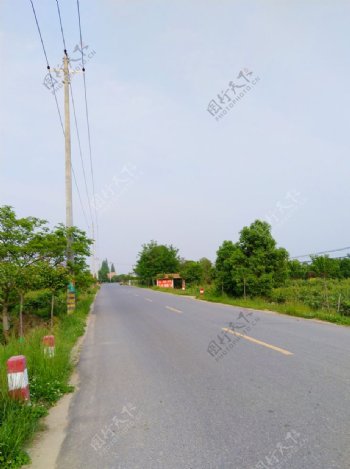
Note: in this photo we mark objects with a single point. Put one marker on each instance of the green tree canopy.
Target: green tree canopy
(326, 267)
(207, 270)
(104, 271)
(344, 267)
(26, 246)
(191, 271)
(155, 259)
(254, 264)
(297, 269)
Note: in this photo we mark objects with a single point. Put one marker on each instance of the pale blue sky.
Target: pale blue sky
(280, 154)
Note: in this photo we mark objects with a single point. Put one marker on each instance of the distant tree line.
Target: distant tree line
(320, 266)
(253, 265)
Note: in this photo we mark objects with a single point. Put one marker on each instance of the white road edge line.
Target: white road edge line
(170, 308)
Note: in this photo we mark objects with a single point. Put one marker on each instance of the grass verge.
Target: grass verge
(291, 308)
(48, 381)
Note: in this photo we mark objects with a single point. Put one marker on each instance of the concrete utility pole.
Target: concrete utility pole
(68, 177)
(69, 204)
(93, 259)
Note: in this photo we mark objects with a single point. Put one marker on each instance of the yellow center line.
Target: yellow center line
(174, 309)
(259, 342)
(148, 299)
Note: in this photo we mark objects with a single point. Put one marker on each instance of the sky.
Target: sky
(165, 168)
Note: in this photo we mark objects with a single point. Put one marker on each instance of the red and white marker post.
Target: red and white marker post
(49, 346)
(17, 377)
(201, 291)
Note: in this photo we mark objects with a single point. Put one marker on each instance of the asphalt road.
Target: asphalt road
(171, 382)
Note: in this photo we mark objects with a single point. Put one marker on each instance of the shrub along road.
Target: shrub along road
(171, 382)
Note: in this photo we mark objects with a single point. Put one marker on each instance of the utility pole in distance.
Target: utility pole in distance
(68, 179)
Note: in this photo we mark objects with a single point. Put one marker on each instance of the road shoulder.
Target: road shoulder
(45, 447)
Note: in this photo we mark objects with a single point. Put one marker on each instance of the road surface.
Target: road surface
(171, 382)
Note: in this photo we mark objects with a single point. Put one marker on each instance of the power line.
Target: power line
(80, 199)
(77, 129)
(41, 38)
(81, 155)
(47, 65)
(76, 126)
(90, 151)
(60, 18)
(87, 115)
(321, 252)
(55, 96)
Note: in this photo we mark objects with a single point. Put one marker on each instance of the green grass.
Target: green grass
(292, 308)
(48, 381)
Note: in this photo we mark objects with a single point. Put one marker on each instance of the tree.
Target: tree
(344, 267)
(113, 268)
(156, 259)
(103, 272)
(241, 272)
(27, 278)
(8, 276)
(253, 265)
(25, 243)
(191, 271)
(84, 279)
(297, 270)
(21, 246)
(223, 266)
(266, 265)
(55, 279)
(325, 267)
(207, 270)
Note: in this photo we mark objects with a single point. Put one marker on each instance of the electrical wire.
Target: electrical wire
(87, 117)
(55, 96)
(60, 18)
(321, 252)
(80, 199)
(74, 176)
(47, 65)
(81, 154)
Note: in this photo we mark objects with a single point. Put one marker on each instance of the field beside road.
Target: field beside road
(302, 298)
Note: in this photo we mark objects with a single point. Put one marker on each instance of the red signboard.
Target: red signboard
(165, 283)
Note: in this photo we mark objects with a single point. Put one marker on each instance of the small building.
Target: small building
(170, 281)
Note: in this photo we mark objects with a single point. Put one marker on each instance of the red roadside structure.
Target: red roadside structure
(171, 281)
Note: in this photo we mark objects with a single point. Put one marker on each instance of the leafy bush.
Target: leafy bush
(38, 302)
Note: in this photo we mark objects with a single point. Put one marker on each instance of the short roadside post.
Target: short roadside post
(17, 377)
(49, 346)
